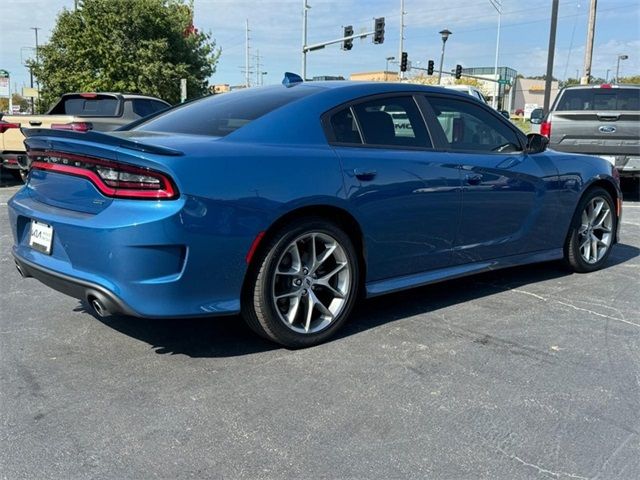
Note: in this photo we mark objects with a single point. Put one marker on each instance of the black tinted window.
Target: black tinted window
(621, 99)
(91, 106)
(392, 121)
(469, 127)
(143, 107)
(344, 127)
(222, 114)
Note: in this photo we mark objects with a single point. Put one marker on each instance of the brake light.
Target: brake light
(545, 129)
(6, 126)
(112, 179)
(74, 126)
(606, 85)
(89, 95)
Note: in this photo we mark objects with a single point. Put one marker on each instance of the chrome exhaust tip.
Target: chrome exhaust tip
(98, 307)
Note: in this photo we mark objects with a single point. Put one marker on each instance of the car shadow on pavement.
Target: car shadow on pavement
(229, 336)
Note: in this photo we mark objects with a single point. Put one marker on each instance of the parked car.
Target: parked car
(601, 120)
(286, 203)
(79, 112)
(469, 90)
(8, 162)
(475, 93)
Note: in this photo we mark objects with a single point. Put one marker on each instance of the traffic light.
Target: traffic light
(378, 31)
(403, 61)
(430, 67)
(458, 71)
(348, 44)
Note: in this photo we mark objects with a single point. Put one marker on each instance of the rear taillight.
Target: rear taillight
(545, 129)
(113, 179)
(6, 126)
(74, 126)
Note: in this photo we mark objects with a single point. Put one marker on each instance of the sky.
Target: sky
(276, 34)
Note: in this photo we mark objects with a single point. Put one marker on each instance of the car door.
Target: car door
(405, 195)
(509, 197)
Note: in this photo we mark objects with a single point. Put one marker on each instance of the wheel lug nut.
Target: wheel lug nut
(297, 282)
(304, 292)
(305, 271)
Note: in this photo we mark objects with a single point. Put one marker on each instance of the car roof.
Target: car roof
(609, 85)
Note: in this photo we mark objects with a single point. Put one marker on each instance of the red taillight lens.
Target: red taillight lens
(74, 126)
(545, 129)
(113, 179)
(606, 85)
(6, 126)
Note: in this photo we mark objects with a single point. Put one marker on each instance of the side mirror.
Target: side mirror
(505, 114)
(536, 116)
(536, 143)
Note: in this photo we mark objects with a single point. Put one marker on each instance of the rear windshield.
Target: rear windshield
(219, 115)
(623, 99)
(94, 106)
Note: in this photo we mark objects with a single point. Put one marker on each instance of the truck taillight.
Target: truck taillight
(545, 129)
(74, 126)
(112, 179)
(6, 126)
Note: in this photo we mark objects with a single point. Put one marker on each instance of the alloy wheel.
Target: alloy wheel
(595, 233)
(311, 282)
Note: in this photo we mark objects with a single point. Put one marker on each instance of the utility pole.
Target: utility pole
(37, 63)
(550, 55)
(401, 49)
(305, 8)
(258, 67)
(247, 78)
(588, 51)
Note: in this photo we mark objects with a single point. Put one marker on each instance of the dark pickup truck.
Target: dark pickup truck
(602, 120)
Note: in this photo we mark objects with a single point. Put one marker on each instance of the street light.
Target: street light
(620, 57)
(386, 69)
(445, 35)
(262, 74)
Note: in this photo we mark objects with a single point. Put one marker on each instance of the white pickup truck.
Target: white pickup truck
(74, 111)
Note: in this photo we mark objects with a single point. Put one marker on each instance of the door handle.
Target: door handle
(364, 174)
(473, 178)
(35, 123)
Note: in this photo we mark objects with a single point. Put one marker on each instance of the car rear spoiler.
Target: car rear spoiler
(100, 137)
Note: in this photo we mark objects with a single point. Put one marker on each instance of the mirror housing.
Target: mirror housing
(536, 143)
(537, 115)
(505, 114)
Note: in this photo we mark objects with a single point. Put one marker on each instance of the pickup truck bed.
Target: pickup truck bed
(76, 111)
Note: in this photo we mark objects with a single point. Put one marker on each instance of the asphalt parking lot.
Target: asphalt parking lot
(523, 373)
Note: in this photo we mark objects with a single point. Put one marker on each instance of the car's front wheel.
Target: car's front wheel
(592, 232)
(303, 285)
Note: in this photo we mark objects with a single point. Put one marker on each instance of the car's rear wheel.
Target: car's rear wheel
(592, 232)
(303, 285)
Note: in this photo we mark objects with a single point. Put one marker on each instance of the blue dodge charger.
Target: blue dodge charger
(286, 203)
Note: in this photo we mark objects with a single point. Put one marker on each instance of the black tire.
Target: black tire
(18, 175)
(258, 305)
(573, 256)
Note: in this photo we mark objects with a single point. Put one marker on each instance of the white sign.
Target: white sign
(4, 86)
(15, 109)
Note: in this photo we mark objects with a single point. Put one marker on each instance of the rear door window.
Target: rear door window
(587, 99)
(392, 121)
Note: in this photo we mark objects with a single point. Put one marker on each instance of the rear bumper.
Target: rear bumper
(628, 164)
(74, 287)
(145, 259)
(12, 160)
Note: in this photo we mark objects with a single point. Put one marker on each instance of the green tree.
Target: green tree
(136, 46)
(633, 79)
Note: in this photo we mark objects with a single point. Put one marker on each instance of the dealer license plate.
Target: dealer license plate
(41, 237)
